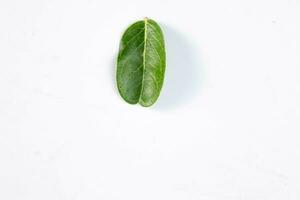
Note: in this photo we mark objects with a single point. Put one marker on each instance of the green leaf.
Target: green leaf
(141, 63)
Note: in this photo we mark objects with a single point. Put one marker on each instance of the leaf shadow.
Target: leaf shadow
(183, 74)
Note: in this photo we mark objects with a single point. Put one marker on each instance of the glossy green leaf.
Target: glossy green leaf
(141, 63)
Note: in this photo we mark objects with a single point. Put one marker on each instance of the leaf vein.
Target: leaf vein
(133, 37)
(160, 62)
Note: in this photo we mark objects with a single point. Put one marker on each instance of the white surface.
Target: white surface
(225, 127)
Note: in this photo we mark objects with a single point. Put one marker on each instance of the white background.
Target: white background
(226, 126)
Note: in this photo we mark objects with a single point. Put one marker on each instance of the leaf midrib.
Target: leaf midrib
(144, 58)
